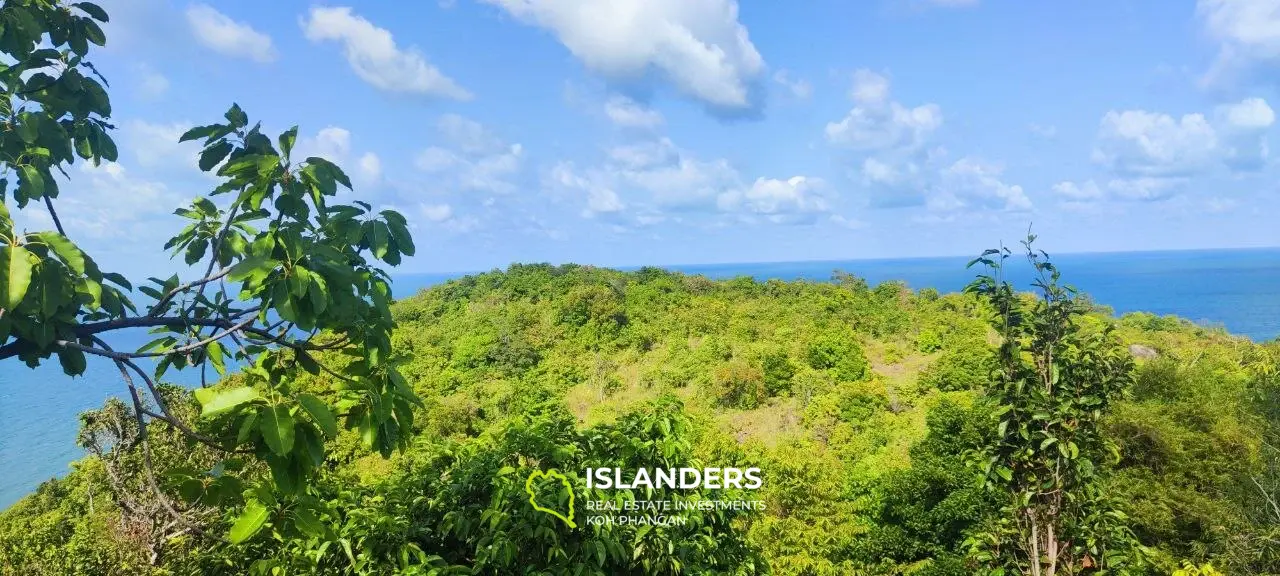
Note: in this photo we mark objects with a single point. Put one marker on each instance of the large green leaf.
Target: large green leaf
(71, 254)
(276, 424)
(214, 402)
(16, 263)
(320, 414)
(249, 522)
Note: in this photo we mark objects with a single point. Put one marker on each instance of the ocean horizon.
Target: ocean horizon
(1237, 289)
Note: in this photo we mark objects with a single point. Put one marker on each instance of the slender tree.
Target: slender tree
(1056, 379)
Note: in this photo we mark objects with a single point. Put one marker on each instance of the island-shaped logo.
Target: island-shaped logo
(533, 496)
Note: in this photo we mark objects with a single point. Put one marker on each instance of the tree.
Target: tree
(1056, 379)
(287, 276)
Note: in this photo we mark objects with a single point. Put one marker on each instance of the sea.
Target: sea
(1238, 290)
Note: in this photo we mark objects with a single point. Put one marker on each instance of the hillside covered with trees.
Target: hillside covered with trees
(860, 404)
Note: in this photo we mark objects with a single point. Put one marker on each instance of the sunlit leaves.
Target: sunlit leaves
(216, 402)
(15, 261)
(249, 523)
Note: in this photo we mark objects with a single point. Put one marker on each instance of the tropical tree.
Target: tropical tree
(1057, 377)
(284, 275)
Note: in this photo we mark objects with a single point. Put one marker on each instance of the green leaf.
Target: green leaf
(212, 155)
(378, 239)
(73, 362)
(236, 116)
(287, 139)
(320, 414)
(72, 255)
(403, 239)
(93, 33)
(276, 424)
(214, 353)
(16, 263)
(199, 132)
(215, 403)
(33, 180)
(249, 522)
(93, 10)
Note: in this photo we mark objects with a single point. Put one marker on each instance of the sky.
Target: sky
(634, 132)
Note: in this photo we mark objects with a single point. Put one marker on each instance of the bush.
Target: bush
(778, 371)
(840, 352)
(738, 384)
(965, 369)
(928, 341)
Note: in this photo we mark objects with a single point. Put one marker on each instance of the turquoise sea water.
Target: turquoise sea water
(1238, 289)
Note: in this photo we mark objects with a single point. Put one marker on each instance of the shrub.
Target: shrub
(738, 384)
(965, 369)
(840, 352)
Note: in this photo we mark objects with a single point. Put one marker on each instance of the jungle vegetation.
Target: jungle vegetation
(1001, 430)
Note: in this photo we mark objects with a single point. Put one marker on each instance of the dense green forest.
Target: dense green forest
(860, 405)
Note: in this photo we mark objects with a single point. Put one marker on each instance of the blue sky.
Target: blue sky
(626, 132)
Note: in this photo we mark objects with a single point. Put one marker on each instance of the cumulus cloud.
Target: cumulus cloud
(221, 34)
(1072, 192)
(374, 56)
(473, 159)
(600, 196)
(895, 156)
(1248, 32)
(697, 46)
(1141, 143)
(878, 125)
(643, 182)
(794, 200)
(972, 184)
(627, 113)
(1243, 128)
(1151, 155)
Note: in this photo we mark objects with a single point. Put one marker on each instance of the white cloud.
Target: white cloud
(370, 166)
(1243, 128)
(601, 198)
(333, 143)
(110, 203)
(436, 212)
(970, 183)
(1073, 192)
(627, 113)
(1151, 154)
(869, 88)
(156, 145)
(475, 159)
(651, 178)
(373, 55)
(444, 217)
(1145, 188)
(226, 36)
(699, 46)
(891, 143)
(876, 124)
(798, 87)
(1248, 31)
(793, 200)
(1141, 143)
(151, 84)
